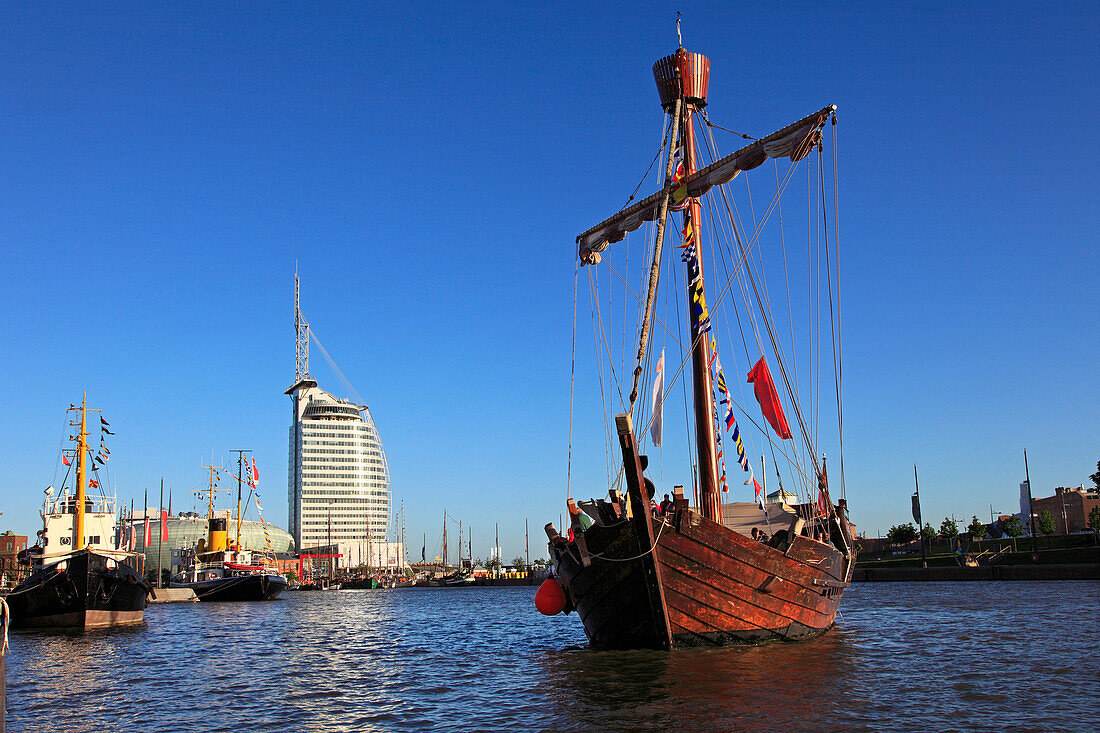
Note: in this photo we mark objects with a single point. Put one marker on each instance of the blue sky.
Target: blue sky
(428, 167)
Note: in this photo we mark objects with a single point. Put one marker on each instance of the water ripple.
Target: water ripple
(933, 656)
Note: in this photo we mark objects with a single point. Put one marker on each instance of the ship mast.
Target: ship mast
(81, 449)
(682, 80)
(240, 459)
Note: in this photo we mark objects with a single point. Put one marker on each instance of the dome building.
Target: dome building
(185, 529)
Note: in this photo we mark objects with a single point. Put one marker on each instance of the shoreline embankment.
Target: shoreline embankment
(1075, 571)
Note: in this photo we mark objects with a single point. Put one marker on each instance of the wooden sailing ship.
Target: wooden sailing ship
(80, 578)
(695, 573)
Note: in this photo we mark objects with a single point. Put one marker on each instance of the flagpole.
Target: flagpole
(1031, 511)
(144, 529)
(160, 542)
(920, 524)
(764, 488)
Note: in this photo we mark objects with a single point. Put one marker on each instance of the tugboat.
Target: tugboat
(80, 579)
(221, 570)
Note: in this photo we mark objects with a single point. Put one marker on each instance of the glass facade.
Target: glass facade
(339, 482)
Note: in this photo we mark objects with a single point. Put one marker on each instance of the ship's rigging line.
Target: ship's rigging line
(839, 340)
(599, 373)
(572, 379)
(765, 310)
(745, 253)
(668, 385)
(712, 149)
(764, 304)
(719, 221)
(767, 322)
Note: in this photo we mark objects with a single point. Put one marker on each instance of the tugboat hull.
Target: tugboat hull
(86, 590)
(258, 587)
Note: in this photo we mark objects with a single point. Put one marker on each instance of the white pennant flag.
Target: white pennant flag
(658, 407)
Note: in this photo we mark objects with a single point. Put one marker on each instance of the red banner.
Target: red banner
(768, 398)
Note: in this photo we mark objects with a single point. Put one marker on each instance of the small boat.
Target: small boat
(222, 570)
(80, 578)
(696, 570)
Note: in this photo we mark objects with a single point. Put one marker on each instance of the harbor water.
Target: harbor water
(1012, 656)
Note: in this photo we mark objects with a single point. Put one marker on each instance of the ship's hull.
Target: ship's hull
(80, 592)
(257, 587)
(703, 584)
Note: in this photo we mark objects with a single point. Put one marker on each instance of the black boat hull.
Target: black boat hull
(260, 587)
(80, 592)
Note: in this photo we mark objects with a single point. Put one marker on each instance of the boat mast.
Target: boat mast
(444, 541)
(81, 448)
(240, 459)
(682, 81)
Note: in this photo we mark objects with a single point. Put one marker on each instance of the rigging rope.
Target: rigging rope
(839, 340)
(743, 135)
(599, 371)
(664, 139)
(572, 377)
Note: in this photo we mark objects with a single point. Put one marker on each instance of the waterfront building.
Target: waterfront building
(339, 481)
(1070, 508)
(11, 544)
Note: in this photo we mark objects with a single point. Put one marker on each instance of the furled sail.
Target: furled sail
(794, 141)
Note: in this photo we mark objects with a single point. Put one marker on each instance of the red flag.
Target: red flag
(93, 484)
(759, 492)
(130, 544)
(768, 398)
(255, 473)
(163, 526)
(148, 529)
(65, 460)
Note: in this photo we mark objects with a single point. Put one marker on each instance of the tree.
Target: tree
(1046, 522)
(1094, 518)
(977, 529)
(518, 564)
(292, 576)
(1012, 527)
(1096, 476)
(929, 533)
(902, 534)
(949, 530)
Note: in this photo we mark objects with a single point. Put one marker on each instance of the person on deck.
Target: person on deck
(666, 505)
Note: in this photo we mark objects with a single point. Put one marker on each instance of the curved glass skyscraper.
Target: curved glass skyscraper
(338, 472)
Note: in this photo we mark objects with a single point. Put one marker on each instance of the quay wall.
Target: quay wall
(1077, 571)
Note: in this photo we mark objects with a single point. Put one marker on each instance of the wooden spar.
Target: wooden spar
(703, 392)
(655, 267)
(642, 520)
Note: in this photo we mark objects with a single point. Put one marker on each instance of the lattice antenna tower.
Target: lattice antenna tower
(301, 332)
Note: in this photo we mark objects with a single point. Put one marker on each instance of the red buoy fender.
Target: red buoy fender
(550, 598)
